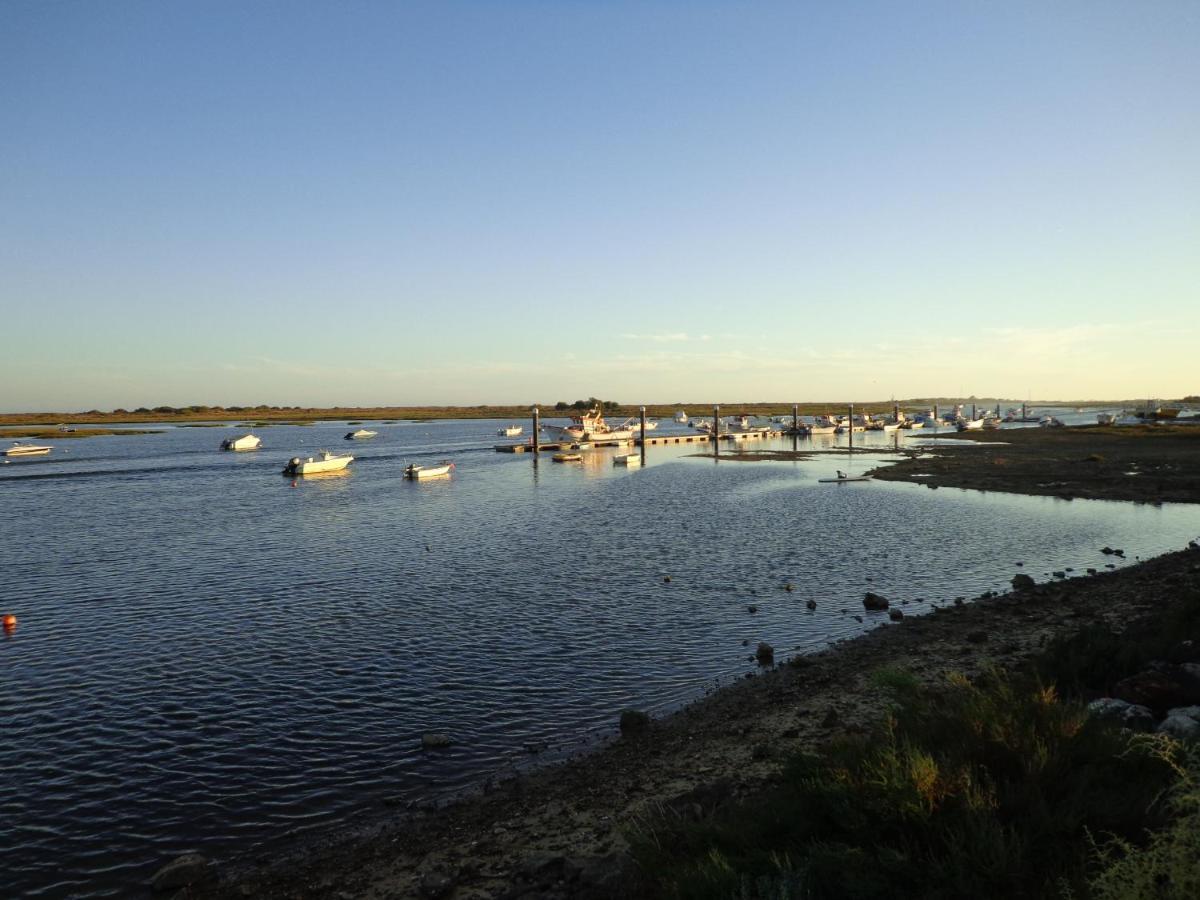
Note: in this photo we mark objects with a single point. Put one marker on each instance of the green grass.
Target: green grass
(987, 789)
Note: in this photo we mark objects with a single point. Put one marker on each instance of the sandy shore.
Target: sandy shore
(560, 832)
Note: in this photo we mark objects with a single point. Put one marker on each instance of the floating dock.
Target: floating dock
(658, 440)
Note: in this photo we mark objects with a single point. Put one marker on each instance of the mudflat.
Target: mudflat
(1144, 463)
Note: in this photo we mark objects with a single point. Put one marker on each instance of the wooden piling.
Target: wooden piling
(537, 415)
(851, 426)
(795, 418)
(642, 412)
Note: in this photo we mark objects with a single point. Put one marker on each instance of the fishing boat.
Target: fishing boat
(324, 461)
(970, 424)
(412, 470)
(567, 457)
(361, 435)
(510, 431)
(245, 442)
(635, 425)
(628, 459)
(590, 426)
(19, 449)
(681, 417)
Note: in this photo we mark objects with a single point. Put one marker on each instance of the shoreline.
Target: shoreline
(558, 830)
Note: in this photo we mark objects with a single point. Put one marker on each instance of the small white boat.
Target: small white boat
(324, 461)
(412, 470)
(361, 435)
(567, 457)
(245, 442)
(510, 430)
(19, 449)
(635, 425)
(681, 417)
(1106, 418)
(842, 477)
(628, 459)
(1050, 422)
(970, 424)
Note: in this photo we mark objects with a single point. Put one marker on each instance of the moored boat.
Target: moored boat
(412, 470)
(361, 435)
(681, 417)
(245, 442)
(510, 430)
(567, 457)
(19, 449)
(324, 461)
(628, 459)
(591, 426)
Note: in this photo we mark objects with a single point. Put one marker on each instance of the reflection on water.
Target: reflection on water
(209, 657)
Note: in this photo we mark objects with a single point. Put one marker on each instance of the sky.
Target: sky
(402, 203)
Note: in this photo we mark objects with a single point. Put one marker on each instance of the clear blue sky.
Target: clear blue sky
(490, 202)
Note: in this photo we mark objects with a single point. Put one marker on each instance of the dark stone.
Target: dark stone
(765, 654)
(666, 579)
(1107, 551)
(831, 718)
(432, 740)
(634, 721)
(1129, 715)
(1023, 582)
(789, 587)
(895, 615)
(191, 868)
(811, 604)
(752, 609)
(875, 601)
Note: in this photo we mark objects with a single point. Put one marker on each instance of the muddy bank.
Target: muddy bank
(1146, 464)
(560, 832)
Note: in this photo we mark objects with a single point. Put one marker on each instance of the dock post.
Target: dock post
(973, 416)
(642, 411)
(935, 417)
(1022, 412)
(795, 418)
(896, 413)
(537, 415)
(850, 426)
(716, 431)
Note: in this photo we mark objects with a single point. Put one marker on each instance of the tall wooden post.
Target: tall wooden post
(850, 425)
(795, 418)
(716, 430)
(896, 413)
(537, 415)
(642, 411)
(1023, 414)
(973, 416)
(935, 417)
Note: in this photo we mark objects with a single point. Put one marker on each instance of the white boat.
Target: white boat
(1105, 418)
(1050, 422)
(19, 449)
(970, 424)
(567, 457)
(822, 429)
(681, 417)
(745, 425)
(842, 478)
(245, 442)
(591, 427)
(324, 461)
(510, 431)
(628, 459)
(635, 424)
(361, 435)
(412, 470)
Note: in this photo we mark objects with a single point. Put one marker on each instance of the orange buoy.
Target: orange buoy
(9, 621)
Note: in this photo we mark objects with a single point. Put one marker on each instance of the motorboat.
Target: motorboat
(991, 422)
(1154, 409)
(567, 457)
(1106, 418)
(681, 417)
(628, 459)
(635, 425)
(510, 431)
(19, 449)
(1050, 422)
(970, 424)
(324, 461)
(245, 442)
(361, 435)
(590, 426)
(745, 424)
(412, 470)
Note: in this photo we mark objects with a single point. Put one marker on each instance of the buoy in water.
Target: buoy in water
(9, 621)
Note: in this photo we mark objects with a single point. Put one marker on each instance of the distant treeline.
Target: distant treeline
(201, 412)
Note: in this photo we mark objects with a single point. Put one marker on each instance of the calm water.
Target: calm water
(210, 657)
